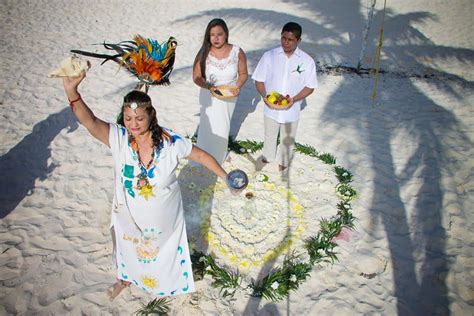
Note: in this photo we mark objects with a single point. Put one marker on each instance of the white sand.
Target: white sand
(410, 153)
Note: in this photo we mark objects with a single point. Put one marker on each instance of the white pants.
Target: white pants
(287, 133)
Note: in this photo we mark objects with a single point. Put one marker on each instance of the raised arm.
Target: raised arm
(96, 127)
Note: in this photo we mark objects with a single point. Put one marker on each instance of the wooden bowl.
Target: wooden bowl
(278, 106)
(224, 92)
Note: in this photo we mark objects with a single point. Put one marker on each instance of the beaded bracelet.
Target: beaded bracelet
(71, 103)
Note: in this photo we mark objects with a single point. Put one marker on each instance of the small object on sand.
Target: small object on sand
(72, 66)
(237, 180)
(249, 195)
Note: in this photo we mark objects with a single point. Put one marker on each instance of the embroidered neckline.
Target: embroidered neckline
(221, 64)
(222, 59)
(143, 182)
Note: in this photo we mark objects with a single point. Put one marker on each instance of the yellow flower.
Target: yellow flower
(223, 250)
(244, 264)
(298, 207)
(149, 282)
(146, 191)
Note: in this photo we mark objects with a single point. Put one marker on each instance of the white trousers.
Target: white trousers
(287, 133)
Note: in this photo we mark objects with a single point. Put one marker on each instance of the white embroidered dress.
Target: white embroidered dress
(214, 124)
(149, 231)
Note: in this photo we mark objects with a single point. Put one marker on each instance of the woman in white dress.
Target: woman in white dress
(149, 232)
(217, 63)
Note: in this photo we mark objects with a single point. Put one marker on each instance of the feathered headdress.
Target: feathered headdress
(148, 60)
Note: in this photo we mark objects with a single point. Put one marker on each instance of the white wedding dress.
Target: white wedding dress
(214, 124)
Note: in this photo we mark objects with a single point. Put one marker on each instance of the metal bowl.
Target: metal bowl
(237, 179)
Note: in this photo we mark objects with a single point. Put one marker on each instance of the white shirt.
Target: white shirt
(286, 76)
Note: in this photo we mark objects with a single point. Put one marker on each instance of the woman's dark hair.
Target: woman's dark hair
(294, 28)
(206, 43)
(158, 134)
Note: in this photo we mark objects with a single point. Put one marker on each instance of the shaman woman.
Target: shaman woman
(149, 233)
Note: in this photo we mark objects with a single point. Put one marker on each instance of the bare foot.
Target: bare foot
(116, 289)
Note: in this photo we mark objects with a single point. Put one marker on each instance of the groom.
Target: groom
(289, 71)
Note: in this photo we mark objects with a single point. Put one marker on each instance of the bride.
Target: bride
(217, 63)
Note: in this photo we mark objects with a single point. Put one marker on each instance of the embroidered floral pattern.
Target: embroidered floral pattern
(221, 64)
(146, 250)
(149, 282)
(127, 173)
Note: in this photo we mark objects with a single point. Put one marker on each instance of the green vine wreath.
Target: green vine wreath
(293, 272)
(281, 280)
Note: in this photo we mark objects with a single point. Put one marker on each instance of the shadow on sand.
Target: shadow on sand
(419, 282)
(27, 162)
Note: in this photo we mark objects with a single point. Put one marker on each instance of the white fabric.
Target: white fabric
(286, 76)
(287, 133)
(150, 233)
(214, 123)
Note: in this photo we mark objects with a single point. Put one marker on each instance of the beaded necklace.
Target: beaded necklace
(143, 184)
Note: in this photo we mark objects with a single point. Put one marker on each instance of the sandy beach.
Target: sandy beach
(410, 152)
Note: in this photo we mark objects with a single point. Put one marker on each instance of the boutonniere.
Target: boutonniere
(299, 69)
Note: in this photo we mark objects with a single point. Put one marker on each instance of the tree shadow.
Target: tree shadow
(27, 161)
(415, 232)
(252, 307)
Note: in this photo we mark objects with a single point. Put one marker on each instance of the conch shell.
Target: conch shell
(71, 67)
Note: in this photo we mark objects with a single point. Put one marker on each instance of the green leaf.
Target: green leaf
(227, 281)
(327, 158)
(282, 276)
(193, 138)
(199, 264)
(343, 175)
(244, 146)
(155, 307)
(306, 150)
(346, 192)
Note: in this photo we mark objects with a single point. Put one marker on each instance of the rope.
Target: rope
(377, 56)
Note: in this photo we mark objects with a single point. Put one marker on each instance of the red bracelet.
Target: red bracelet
(71, 103)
